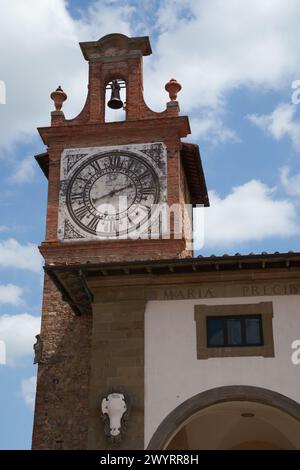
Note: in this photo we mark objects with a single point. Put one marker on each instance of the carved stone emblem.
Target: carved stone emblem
(114, 409)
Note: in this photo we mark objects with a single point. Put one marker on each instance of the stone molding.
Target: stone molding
(176, 419)
(265, 309)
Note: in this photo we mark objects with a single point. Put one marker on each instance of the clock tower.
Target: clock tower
(118, 192)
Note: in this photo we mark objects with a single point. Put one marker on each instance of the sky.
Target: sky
(239, 67)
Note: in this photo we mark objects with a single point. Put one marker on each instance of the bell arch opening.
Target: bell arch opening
(231, 418)
(115, 100)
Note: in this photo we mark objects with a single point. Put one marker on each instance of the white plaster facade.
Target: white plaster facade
(173, 373)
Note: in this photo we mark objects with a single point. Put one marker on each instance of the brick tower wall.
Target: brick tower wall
(61, 409)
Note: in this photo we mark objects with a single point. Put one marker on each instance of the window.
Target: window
(234, 331)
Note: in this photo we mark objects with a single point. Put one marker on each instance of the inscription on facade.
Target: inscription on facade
(207, 292)
(188, 293)
(198, 291)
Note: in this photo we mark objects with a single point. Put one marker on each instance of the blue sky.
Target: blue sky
(236, 62)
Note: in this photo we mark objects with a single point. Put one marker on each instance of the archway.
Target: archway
(233, 417)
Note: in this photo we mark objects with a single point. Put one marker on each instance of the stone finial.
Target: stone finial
(173, 87)
(58, 96)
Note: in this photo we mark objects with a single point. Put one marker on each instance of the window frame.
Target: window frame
(202, 312)
(242, 319)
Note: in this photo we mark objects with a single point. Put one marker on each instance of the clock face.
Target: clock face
(109, 194)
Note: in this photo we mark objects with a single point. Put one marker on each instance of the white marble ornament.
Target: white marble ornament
(114, 406)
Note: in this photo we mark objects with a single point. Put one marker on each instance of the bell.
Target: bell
(115, 101)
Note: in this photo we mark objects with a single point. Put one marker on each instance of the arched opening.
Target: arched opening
(238, 425)
(114, 90)
(231, 418)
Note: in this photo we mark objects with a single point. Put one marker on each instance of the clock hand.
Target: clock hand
(95, 199)
(111, 193)
(122, 189)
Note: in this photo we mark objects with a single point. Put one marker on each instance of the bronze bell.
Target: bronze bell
(115, 101)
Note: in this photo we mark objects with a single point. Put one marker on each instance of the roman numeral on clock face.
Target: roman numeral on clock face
(144, 174)
(95, 165)
(76, 197)
(147, 191)
(115, 162)
(80, 178)
(130, 166)
(110, 226)
(81, 212)
(93, 223)
(145, 209)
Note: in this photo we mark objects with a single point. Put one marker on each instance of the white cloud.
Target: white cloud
(280, 123)
(211, 128)
(10, 294)
(250, 212)
(212, 47)
(39, 60)
(18, 333)
(28, 388)
(15, 255)
(291, 184)
(24, 171)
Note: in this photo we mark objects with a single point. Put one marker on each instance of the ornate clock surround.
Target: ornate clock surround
(137, 171)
